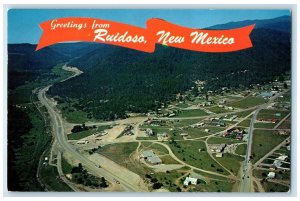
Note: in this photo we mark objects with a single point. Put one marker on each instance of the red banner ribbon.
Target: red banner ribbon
(129, 36)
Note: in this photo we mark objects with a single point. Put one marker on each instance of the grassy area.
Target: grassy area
(61, 73)
(241, 149)
(120, 153)
(271, 114)
(285, 124)
(264, 125)
(49, 176)
(214, 186)
(231, 162)
(274, 187)
(157, 148)
(247, 102)
(166, 159)
(217, 110)
(80, 135)
(220, 140)
(245, 123)
(192, 113)
(195, 132)
(214, 129)
(66, 167)
(186, 122)
(188, 151)
(260, 174)
(244, 113)
(169, 179)
(72, 115)
(263, 142)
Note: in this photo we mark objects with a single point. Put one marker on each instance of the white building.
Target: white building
(189, 180)
(271, 175)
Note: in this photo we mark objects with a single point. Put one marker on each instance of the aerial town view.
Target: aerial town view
(90, 117)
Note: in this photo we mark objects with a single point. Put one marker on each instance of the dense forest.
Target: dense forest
(117, 80)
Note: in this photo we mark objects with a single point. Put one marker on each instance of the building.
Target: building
(219, 155)
(150, 156)
(277, 163)
(271, 175)
(149, 132)
(217, 148)
(154, 160)
(266, 94)
(82, 142)
(190, 180)
(282, 158)
(233, 117)
(148, 153)
(184, 134)
(206, 130)
(162, 135)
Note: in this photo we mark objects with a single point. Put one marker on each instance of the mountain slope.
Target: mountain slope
(117, 79)
(282, 23)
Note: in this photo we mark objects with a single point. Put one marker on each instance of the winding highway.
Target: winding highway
(61, 138)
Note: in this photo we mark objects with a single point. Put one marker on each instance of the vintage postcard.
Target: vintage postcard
(149, 100)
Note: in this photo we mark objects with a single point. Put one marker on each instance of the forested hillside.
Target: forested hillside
(117, 79)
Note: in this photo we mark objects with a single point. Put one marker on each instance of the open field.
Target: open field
(217, 110)
(186, 122)
(231, 162)
(241, 149)
(169, 179)
(192, 113)
(243, 114)
(157, 148)
(245, 123)
(214, 186)
(66, 166)
(264, 125)
(263, 142)
(188, 151)
(274, 187)
(72, 115)
(120, 154)
(195, 132)
(271, 114)
(49, 176)
(247, 102)
(220, 140)
(80, 135)
(286, 124)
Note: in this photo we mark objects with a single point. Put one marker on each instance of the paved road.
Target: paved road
(61, 138)
(246, 180)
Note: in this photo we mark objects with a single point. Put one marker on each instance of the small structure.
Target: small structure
(217, 148)
(233, 117)
(190, 180)
(154, 160)
(219, 155)
(277, 163)
(271, 175)
(206, 130)
(151, 157)
(282, 158)
(184, 134)
(148, 153)
(162, 136)
(266, 94)
(149, 132)
(82, 142)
